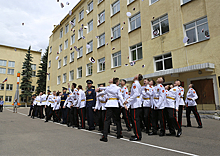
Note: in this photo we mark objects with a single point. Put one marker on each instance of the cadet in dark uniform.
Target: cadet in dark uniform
(90, 103)
(63, 110)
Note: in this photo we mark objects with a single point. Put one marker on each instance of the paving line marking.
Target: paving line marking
(137, 142)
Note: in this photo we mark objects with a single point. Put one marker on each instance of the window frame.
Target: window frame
(129, 19)
(72, 58)
(59, 64)
(2, 84)
(49, 64)
(136, 51)
(33, 66)
(80, 33)
(89, 50)
(70, 75)
(61, 32)
(48, 77)
(81, 13)
(80, 51)
(116, 3)
(66, 44)
(64, 60)
(50, 49)
(102, 62)
(60, 48)
(9, 87)
(3, 69)
(7, 98)
(88, 6)
(90, 25)
(33, 75)
(64, 77)
(4, 62)
(89, 69)
(9, 73)
(160, 21)
(13, 65)
(99, 40)
(74, 21)
(101, 17)
(112, 59)
(155, 61)
(79, 69)
(58, 79)
(72, 39)
(32, 89)
(113, 31)
(66, 28)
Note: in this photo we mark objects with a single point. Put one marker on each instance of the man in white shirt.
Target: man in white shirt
(191, 106)
(135, 102)
(81, 106)
(114, 98)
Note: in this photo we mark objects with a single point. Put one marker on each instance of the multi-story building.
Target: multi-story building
(147, 32)
(11, 62)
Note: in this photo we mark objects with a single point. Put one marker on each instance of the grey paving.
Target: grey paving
(21, 135)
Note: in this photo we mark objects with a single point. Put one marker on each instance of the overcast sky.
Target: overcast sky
(38, 17)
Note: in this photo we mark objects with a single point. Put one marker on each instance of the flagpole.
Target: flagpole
(6, 89)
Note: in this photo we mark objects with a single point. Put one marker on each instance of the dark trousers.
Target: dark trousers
(34, 111)
(147, 112)
(30, 110)
(64, 114)
(100, 118)
(40, 111)
(135, 118)
(170, 114)
(126, 118)
(195, 112)
(50, 113)
(90, 117)
(180, 114)
(82, 113)
(74, 120)
(1, 108)
(68, 115)
(56, 116)
(158, 115)
(115, 113)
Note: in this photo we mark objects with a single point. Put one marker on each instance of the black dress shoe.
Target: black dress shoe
(63, 123)
(189, 126)
(46, 121)
(171, 134)
(133, 136)
(147, 131)
(104, 139)
(129, 129)
(161, 134)
(199, 127)
(178, 134)
(81, 128)
(135, 139)
(119, 136)
(29, 115)
(90, 129)
(152, 133)
(69, 125)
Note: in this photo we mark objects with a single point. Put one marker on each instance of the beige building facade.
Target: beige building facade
(11, 62)
(127, 37)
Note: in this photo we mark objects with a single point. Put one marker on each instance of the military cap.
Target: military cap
(64, 88)
(89, 81)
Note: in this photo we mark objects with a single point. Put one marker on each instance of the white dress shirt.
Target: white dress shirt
(159, 96)
(81, 99)
(191, 94)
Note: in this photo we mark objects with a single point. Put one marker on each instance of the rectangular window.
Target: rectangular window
(89, 69)
(185, 1)
(72, 57)
(23, 99)
(116, 59)
(90, 26)
(90, 6)
(11, 71)
(60, 48)
(101, 40)
(80, 33)
(9, 87)
(2, 70)
(79, 72)
(65, 61)
(51, 49)
(59, 64)
(80, 52)
(49, 64)
(73, 22)
(81, 15)
(48, 87)
(116, 31)
(89, 50)
(61, 32)
(64, 78)
(197, 30)
(3, 63)
(135, 21)
(67, 28)
(33, 88)
(8, 98)
(115, 7)
(72, 39)
(71, 76)
(48, 77)
(160, 26)
(11, 63)
(33, 73)
(136, 52)
(33, 66)
(163, 62)
(153, 1)
(58, 79)
(101, 17)
(101, 64)
(66, 44)
(2, 86)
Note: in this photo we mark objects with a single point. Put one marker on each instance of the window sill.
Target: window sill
(101, 46)
(153, 3)
(79, 38)
(101, 71)
(64, 82)
(115, 14)
(88, 75)
(115, 67)
(134, 29)
(58, 68)
(159, 35)
(163, 70)
(79, 77)
(79, 57)
(64, 65)
(71, 61)
(197, 42)
(100, 3)
(185, 3)
(100, 23)
(131, 3)
(89, 52)
(89, 12)
(136, 60)
(80, 20)
(115, 38)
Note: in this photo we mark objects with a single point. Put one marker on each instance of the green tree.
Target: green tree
(26, 76)
(42, 73)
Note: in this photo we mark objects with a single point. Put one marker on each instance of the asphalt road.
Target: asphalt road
(21, 135)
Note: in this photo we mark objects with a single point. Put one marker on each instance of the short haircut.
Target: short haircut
(54, 91)
(44, 92)
(193, 86)
(80, 86)
(58, 93)
(74, 84)
(124, 81)
(163, 79)
(115, 80)
(147, 79)
(140, 77)
(180, 82)
(153, 82)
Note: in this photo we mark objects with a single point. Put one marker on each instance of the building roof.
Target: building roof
(7, 46)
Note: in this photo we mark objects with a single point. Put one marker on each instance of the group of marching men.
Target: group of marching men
(142, 107)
